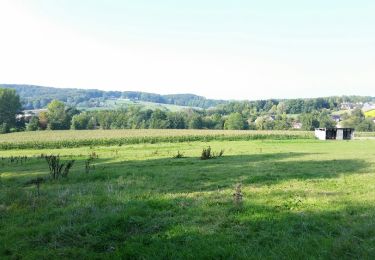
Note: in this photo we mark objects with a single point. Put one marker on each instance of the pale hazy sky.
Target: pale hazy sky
(237, 49)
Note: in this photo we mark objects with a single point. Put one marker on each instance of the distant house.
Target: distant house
(264, 118)
(336, 118)
(296, 125)
(368, 107)
(334, 133)
(347, 106)
(25, 116)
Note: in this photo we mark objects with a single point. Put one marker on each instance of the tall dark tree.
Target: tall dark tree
(10, 106)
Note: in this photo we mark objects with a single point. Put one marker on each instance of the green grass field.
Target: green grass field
(302, 199)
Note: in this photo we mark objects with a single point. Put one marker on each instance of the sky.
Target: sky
(238, 49)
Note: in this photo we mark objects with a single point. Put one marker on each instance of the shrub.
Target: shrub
(237, 195)
(58, 169)
(88, 162)
(178, 155)
(208, 154)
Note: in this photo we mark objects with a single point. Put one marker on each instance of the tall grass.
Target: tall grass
(364, 134)
(71, 139)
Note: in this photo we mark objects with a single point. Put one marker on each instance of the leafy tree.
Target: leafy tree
(70, 112)
(366, 125)
(282, 122)
(80, 121)
(158, 120)
(43, 120)
(235, 121)
(309, 121)
(325, 121)
(281, 108)
(176, 120)
(264, 123)
(217, 121)
(57, 116)
(195, 122)
(92, 123)
(33, 124)
(4, 128)
(10, 106)
(355, 119)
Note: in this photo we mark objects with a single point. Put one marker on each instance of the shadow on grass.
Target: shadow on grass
(148, 209)
(184, 228)
(191, 174)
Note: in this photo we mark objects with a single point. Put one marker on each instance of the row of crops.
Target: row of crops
(70, 139)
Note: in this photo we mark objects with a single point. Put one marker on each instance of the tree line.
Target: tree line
(260, 115)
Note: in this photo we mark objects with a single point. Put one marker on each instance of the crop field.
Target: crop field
(370, 113)
(365, 134)
(68, 139)
(273, 199)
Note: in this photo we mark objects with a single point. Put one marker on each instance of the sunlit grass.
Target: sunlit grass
(301, 199)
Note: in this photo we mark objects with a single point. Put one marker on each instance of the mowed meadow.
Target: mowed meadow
(268, 196)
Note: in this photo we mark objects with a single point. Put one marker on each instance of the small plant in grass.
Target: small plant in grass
(57, 168)
(37, 183)
(89, 161)
(178, 155)
(208, 154)
(238, 195)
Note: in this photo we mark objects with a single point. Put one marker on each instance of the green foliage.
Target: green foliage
(4, 128)
(179, 155)
(264, 123)
(195, 122)
(80, 121)
(158, 120)
(59, 116)
(36, 97)
(366, 125)
(58, 169)
(10, 106)
(235, 121)
(309, 121)
(56, 115)
(301, 199)
(33, 124)
(282, 122)
(325, 121)
(208, 154)
(359, 122)
(176, 120)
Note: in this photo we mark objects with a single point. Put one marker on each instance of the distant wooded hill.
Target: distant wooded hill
(35, 97)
